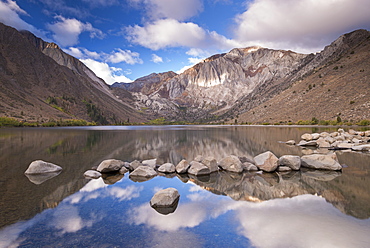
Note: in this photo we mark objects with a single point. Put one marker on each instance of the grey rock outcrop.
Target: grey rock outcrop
(231, 163)
(110, 165)
(321, 161)
(40, 166)
(266, 161)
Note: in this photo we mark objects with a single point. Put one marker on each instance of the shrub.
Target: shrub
(364, 123)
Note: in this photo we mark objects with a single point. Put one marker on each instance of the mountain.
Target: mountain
(39, 82)
(254, 83)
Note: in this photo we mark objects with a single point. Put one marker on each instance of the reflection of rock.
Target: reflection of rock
(39, 166)
(40, 178)
(91, 174)
(321, 161)
(321, 175)
(110, 165)
(165, 201)
(109, 178)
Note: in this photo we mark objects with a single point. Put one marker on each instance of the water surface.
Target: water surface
(298, 209)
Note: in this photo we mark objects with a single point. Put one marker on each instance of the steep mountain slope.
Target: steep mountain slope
(225, 86)
(34, 87)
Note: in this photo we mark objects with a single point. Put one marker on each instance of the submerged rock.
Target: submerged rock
(231, 163)
(110, 165)
(321, 161)
(39, 167)
(165, 201)
(266, 161)
(92, 174)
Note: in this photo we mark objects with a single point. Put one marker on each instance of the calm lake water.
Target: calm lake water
(297, 209)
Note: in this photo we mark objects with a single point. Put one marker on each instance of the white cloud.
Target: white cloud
(156, 59)
(305, 25)
(172, 33)
(178, 10)
(109, 74)
(9, 15)
(66, 31)
(126, 56)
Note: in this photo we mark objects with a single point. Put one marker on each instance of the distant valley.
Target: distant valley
(40, 82)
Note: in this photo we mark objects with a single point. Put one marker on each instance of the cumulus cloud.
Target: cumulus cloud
(304, 26)
(156, 59)
(172, 33)
(126, 56)
(66, 31)
(109, 74)
(178, 10)
(9, 15)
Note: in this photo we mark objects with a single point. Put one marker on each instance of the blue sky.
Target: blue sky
(124, 40)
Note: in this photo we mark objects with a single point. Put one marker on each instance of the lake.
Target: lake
(304, 208)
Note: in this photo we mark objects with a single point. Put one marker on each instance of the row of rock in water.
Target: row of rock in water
(266, 162)
(340, 140)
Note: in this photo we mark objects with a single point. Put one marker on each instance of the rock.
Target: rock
(39, 167)
(143, 171)
(245, 159)
(321, 161)
(340, 130)
(293, 162)
(123, 170)
(211, 163)
(92, 174)
(135, 164)
(315, 136)
(283, 169)
(322, 143)
(334, 134)
(150, 162)
(182, 167)
(110, 165)
(330, 140)
(290, 142)
(352, 132)
(198, 169)
(361, 148)
(344, 145)
(165, 201)
(367, 133)
(355, 140)
(249, 166)
(266, 161)
(167, 168)
(307, 143)
(231, 163)
(324, 134)
(306, 137)
(198, 158)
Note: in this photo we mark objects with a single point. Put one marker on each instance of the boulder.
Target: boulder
(324, 134)
(110, 165)
(231, 163)
(290, 142)
(340, 130)
(367, 133)
(352, 132)
(321, 161)
(123, 170)
(266, 161)
(165, 201)
(283, 169)
(143, 171)
(135, 164)
(344, 145)
(322, 143)
(91, 174)
(307, 143)
(306, 137)
(150, 162)
(249, 166)
(246, 159)
(293, 162)
(39, 167)
(361, 148)
(167, 168)
(315, 136)
(198, 169)
(182, 167)
(211, 163)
